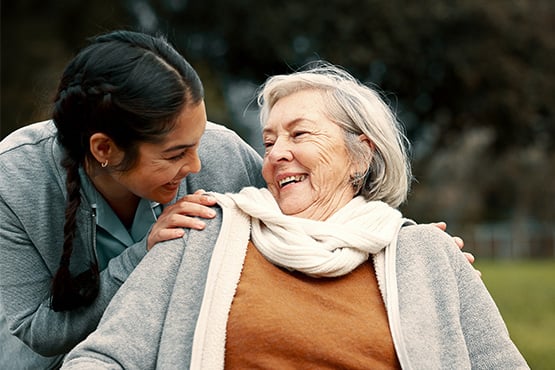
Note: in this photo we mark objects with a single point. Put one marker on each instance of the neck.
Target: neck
(123, 202)
(322, 209)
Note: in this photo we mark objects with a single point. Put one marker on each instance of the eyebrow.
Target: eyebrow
(178, 147)
(267, 131)
(287, 125)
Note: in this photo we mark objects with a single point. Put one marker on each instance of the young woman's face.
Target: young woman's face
(161, 166)
(306, 164)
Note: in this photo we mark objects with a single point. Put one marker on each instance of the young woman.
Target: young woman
(85, 195)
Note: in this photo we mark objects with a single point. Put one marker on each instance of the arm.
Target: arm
(129, 333)
(446, 309)
(27, 267)
(488, 341)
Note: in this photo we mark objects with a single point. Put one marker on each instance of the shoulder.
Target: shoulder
(30, 135)
(429, 262)
(217, 133)
(188, 256)
(219, 140)
(28, 154)
(423, 233)
(192, 240)
(228, 163)
(216, 128)
(425, 241)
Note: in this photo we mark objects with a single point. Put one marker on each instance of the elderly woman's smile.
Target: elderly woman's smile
(306, 163)
(288, 180)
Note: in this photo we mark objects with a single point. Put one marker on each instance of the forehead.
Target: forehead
(186, 131)
(300, 106)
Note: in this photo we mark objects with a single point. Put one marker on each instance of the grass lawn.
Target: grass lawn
(525, 294)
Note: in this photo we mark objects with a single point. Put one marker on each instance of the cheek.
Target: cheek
(155, 174)
(267, 170)
(324, 151)
(332, 168)
(323, 159)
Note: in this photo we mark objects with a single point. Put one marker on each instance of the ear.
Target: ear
(104, 149)
(369, 146)
(361, 164)
(363, 138)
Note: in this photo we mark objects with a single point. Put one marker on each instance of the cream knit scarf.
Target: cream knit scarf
(328, 248)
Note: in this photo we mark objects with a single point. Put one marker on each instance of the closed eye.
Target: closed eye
(297, 134)
(178, 157)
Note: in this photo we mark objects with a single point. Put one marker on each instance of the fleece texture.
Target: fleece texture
(32, 204)
(172, 311)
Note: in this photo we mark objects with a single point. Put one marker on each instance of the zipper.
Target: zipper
(93, 233)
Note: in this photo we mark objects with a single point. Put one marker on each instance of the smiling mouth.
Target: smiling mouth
(290, 180)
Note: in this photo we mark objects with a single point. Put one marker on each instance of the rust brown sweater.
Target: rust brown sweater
(285, 320)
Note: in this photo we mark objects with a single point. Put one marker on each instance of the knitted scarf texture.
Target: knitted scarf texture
(329, 248)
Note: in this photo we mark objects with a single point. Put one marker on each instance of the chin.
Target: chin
(290, 211)
(164, 198)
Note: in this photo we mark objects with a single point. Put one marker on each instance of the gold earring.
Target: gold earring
(104, 164)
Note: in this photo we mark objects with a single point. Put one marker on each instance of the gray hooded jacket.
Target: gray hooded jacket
(32, 206)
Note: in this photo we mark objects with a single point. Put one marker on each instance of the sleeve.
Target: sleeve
(27, 264)
(129, 333)
(447, 301)
(31, 236)
(485, 332)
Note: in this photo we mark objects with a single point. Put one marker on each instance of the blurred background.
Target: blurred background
(473, 82)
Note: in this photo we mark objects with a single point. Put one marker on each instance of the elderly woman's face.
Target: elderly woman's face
(306, 165)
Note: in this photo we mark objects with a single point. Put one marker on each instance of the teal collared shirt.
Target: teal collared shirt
(112, 237)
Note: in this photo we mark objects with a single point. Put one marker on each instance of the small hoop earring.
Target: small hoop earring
(104, 164)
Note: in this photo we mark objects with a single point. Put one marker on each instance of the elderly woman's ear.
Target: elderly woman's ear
(361, 161)
(369, 148)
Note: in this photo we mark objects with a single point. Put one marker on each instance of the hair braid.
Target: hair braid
(70, 292)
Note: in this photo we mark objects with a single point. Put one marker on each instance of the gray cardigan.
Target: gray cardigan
(32, 205)
(171, 313)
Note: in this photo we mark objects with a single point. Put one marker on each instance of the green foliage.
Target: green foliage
(473, 81)
(451, 65)
(525, 294)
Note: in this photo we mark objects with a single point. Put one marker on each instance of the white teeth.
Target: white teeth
(289, 179)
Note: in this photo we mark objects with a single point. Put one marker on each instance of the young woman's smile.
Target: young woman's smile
(162, 166)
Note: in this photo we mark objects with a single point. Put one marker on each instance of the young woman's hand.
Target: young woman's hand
(182, 214)
(459, 242)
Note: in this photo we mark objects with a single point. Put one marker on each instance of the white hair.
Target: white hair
(357, 109)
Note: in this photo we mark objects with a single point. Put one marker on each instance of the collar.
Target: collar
(146, 214)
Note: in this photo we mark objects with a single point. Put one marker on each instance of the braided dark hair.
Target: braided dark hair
(130, 86)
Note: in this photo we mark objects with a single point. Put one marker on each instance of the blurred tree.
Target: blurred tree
(473, 81)
(38, 38)
(472, 74)
(452, 66)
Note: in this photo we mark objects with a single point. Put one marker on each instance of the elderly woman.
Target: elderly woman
(319, 270)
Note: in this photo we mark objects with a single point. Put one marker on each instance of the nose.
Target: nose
(280, 151)
(192, 166)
